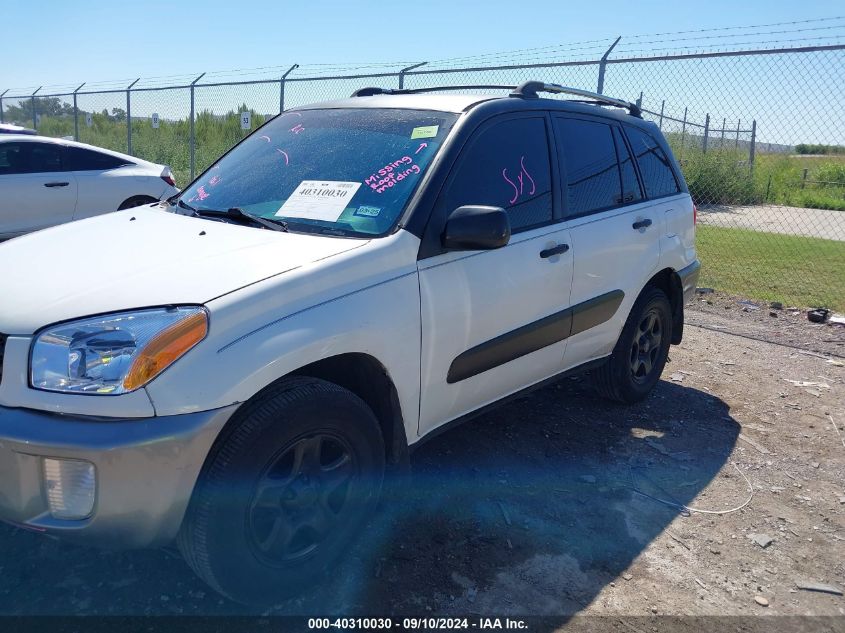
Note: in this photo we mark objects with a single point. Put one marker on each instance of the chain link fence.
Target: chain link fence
(759, 134)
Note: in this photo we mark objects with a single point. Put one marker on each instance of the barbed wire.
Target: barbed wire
(586, 50)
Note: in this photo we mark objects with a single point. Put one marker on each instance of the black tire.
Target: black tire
(275, 471)
(136, 201)
(634, 367)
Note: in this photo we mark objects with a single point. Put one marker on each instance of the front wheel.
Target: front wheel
(286, 488)
(634, 367)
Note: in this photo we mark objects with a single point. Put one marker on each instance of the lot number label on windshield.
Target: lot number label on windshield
(319, 200)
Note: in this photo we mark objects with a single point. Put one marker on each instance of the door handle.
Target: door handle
(56, 184)
(554, 250)
(641, 224)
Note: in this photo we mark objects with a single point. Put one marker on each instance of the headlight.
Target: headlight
(116, 353)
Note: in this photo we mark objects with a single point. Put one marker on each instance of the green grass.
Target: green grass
(797, 271)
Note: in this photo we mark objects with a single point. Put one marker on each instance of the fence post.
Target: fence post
(603, 64)
(1, 104)
(129, 117)
(753, 144)
(192, 140)
(76, 114)
(34, 115)
(706, 133)
(724, 125)
(683, 133)
(282, 87)
(662, 105)
(804, 177)
(404, 70)
(738, 122)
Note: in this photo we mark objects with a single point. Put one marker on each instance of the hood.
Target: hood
(140, 258)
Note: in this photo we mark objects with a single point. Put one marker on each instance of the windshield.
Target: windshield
(341, 171)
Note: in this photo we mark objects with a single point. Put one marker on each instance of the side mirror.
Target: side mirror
(477, 228)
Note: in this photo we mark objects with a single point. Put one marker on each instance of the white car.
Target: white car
(47, 181)
(250, 361)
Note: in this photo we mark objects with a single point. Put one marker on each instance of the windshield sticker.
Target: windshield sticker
(523, 173)
(391, 174)
(367, 212)
(425, 131)
(319, 200)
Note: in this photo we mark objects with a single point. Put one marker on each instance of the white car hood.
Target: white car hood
(140, 258)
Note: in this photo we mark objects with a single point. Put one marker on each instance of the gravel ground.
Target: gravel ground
(559, 503)
(824, 223)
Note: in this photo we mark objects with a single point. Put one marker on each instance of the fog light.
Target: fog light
(71, 485)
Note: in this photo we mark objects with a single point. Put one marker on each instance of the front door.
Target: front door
(35, 192)
(496, 321)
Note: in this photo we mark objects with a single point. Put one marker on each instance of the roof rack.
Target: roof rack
(370, 91)
(525, 90)
(529, 90)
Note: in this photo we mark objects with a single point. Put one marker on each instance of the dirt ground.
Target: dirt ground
(561, 504)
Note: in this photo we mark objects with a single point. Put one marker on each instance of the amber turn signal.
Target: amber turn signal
(165, 349)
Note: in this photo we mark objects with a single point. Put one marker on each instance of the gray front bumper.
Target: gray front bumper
(146, 471)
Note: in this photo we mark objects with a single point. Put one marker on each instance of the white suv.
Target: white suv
(237, 371)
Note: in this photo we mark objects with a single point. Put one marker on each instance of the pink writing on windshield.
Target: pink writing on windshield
(264, 136)
(202, 194)
(391, 174)
(296, 129)
(214, 180)
(523, 173)
(285, 154)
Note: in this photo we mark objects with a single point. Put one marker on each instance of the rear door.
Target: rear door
(35, 191)
(615, 232)
(495, 321)
(103, 186)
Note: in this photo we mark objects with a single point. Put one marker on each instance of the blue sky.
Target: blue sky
(64, 42)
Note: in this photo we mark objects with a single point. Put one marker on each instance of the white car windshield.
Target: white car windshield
(343, 171)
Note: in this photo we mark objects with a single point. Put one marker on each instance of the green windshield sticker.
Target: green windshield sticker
(425, 131)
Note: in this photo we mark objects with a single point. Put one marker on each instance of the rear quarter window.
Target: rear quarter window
(656, 169)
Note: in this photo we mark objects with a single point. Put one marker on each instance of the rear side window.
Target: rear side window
(507, 165)
(43, 157)
(588, 154)
(658, 176)
(630, 185)
(79, 159)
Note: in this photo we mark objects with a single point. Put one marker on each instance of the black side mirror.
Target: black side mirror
(477, 228)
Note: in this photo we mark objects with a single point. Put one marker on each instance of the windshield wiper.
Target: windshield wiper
(236, 213)
(184, 205)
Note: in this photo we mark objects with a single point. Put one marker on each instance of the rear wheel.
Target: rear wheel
(136, 201)
(640, 354)
(284, 491)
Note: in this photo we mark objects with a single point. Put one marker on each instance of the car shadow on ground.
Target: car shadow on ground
(530, 509)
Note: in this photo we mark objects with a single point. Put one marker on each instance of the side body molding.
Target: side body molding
(533, 336)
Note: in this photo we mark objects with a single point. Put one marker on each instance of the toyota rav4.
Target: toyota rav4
(236, 369)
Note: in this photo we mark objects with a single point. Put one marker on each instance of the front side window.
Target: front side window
(336, 171)
(12, 159)
(79, 159)
(506, 165)
(658, 176)
(588, 155)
